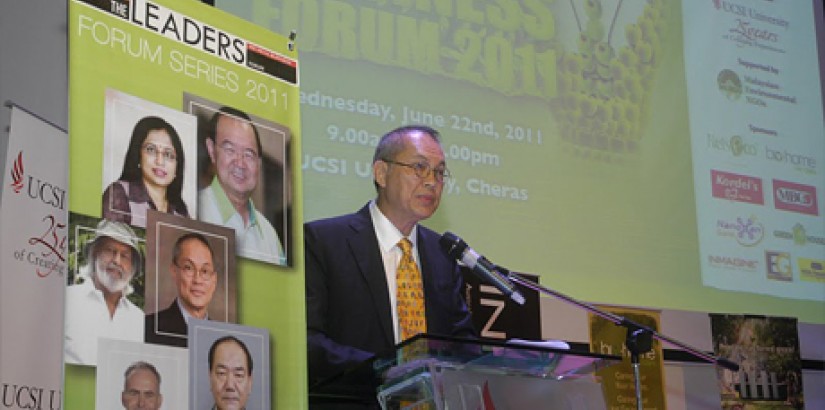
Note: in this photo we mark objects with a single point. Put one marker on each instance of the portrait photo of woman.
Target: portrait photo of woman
(149, 160)
(152, 175)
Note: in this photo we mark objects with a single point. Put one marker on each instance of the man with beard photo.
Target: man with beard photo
(98, 306)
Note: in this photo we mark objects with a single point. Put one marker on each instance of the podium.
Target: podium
(436, 372)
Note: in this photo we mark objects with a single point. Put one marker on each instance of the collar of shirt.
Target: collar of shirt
(96, 293)
(138, 192)
(388, 235)
(185, 313)
(227, 210)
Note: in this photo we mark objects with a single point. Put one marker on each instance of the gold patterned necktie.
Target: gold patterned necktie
(409, 294)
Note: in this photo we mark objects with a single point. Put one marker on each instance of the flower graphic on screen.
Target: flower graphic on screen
(604, 80)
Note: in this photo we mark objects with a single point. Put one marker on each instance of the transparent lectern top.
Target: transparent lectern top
(423, 351)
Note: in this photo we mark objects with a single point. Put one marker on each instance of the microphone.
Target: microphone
(462, 252)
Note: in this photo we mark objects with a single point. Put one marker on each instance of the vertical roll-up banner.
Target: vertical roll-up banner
(618, 381)
(177, 109)
(34, 219)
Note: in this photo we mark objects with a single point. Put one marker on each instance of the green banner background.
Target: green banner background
(270, 297)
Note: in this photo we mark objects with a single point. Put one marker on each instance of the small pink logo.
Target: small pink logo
(17, 173)
(735, 187)
(790, 196)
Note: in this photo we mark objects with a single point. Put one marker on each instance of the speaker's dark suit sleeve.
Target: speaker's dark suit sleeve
(348, 304)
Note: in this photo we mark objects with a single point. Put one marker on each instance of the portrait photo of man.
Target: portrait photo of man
(97, 305)
(244, 181)
(230, 373)
(191, 277)
(141, 387)
(229, 366)
(141, 376)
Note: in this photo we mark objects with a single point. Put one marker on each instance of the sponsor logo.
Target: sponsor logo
(802, 163)
(740, 10)
(729, 84)
(752, 27)
(735, 187)
(799, 236)
(778, 265)
(790, 196)
(735, 145)
(811, 270)
(730, 7)
(746, 231)
(733, 263)
(746, 32)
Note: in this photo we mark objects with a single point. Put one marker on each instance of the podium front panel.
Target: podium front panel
(432, 372)
(441, 388)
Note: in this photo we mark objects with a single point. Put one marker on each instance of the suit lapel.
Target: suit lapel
(365, 251)
(427, 270)
(439, 285)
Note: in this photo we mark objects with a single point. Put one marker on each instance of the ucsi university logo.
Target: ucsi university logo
(38, 189)
(17, 173)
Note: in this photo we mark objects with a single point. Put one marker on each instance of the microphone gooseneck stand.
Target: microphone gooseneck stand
(639, 338)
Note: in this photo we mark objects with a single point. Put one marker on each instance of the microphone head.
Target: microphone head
(454, 246)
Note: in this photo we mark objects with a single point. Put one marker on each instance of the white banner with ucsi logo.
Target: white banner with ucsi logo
(33, 243)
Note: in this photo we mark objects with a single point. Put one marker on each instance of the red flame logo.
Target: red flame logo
(17, 173)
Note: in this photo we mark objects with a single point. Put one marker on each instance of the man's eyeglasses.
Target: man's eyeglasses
(247, 154)
(152, 150)
(423, 170)
(188, 269)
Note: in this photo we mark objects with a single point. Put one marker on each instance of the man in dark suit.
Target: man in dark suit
(352, 260)
(193, 271)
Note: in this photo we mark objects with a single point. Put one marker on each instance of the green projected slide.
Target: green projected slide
(578, 137)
